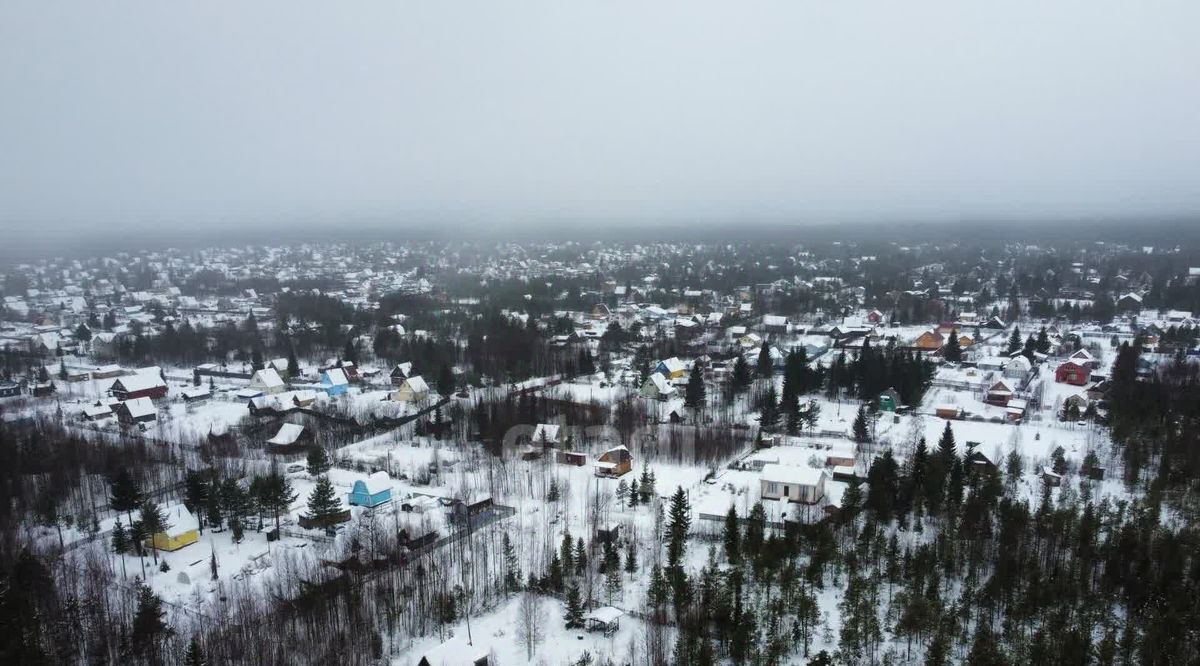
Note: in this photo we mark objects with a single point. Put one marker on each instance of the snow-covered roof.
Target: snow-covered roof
(661, 384)
(139, 382)
(194, 392)
(179, 519)
(417, 384)
(287, 435)
(673, 364)
(605, 614)
(548, 431)
(794, 474)
(139, 407)
(267, 377)
(336, 377)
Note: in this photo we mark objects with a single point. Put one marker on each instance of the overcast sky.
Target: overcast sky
(156, 115)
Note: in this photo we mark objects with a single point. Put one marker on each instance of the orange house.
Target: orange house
(614, 462)
(930, 340)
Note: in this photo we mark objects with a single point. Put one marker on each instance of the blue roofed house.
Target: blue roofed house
(334, 381)
(372, 491)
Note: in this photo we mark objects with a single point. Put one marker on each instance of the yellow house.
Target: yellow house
(183, 530)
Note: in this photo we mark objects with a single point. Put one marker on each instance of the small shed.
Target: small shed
(606, 619)
(195, 394)
(570, 458)
(1051, 478)
(947, 412)
(889, 400)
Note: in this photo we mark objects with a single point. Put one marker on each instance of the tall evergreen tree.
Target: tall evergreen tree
(766, 366)
(862, 433)
(323, 501)
(694, 394)
(679, 521)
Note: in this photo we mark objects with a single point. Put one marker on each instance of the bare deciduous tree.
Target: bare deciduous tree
(531, 621)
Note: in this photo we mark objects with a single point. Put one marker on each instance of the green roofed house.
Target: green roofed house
(889, 400)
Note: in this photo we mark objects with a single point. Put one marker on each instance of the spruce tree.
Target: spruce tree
(694, 393)
(732, 536)
(154, 521)
(512, 566)
(323, 502)
(1014, 341)
(741, 374)
(149, 628)
(769, 419)
(862, 433)
(574, 613)
(194, 655)
(765, 364)
(318, 461)
(952, 351)
(679, 521)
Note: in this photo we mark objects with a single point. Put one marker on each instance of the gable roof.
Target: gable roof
(793, 474)
(417, 384)
(288, 434)
(138, 382)
(334, 377)
(139, 407)
(267, 377)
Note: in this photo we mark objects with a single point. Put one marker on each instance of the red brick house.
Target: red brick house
(1073, 373)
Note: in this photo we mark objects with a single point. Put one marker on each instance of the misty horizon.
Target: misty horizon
(294, 119)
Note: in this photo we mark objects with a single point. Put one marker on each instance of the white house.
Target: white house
(267, 381)
(793, 483)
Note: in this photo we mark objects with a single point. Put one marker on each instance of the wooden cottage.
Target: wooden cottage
(614, 462)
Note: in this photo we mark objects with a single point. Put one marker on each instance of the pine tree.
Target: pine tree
(1043, 341)
(148, 629)
(552, 494)
(120, 540)
(862, 434)
(323, 502)
(1014, 341)
(277, 495)
(574, 614)
(732, 536)
(679, 521)
(765, 365)
(566, 551)
(769, 419)
(741, 374)
(154, 521)
(694, 394)
(318, 461)
(446, 380)
(194, 656)
(293, 366)
(631, 566)
(634, 493)
(952, 351)
(581, 557)
(512, 566)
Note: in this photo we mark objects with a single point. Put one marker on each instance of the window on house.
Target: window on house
(773, 488)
